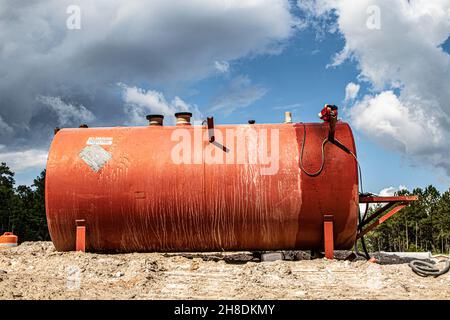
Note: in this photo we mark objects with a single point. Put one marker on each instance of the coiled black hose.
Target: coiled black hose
(425, 269)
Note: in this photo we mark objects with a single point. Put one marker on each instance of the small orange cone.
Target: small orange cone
(7, 240)
(373, 260)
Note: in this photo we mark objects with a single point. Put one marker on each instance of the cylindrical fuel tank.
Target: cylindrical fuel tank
(173, 188)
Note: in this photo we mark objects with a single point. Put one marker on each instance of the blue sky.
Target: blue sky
(297, 79)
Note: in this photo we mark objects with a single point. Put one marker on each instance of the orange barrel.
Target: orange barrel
(8, 239)
(172, 188)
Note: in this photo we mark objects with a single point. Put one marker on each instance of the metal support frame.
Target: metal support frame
(328, 236)
(391, 207)
(80, 241)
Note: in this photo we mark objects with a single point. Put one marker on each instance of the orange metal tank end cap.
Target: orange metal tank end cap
(8, 239)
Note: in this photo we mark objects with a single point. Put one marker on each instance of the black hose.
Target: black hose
(314, 174)
(425, 269)
(361, 220)
(363, 243)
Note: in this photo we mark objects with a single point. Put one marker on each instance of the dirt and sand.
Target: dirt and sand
(35, 270)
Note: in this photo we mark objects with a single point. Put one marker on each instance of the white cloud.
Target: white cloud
(67, 113)
(351, 91)
(404, 128)
(222, 66)
(19, 161)
(390, 191)
(403, 55)
(240, 93)
(140, 102)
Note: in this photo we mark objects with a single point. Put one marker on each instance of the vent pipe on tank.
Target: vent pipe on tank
(288, 117)
(183, 118)
(155, 119)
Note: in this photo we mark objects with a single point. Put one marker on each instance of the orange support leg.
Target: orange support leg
(328, 236)
(80, 236)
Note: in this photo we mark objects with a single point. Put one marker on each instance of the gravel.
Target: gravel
(34, 270)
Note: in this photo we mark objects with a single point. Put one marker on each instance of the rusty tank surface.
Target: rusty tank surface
(174, 188)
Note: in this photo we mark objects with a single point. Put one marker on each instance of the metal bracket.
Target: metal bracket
(393, 205)
(80, 242)
(210, 122)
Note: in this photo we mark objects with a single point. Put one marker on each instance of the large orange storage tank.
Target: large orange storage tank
(139, 188)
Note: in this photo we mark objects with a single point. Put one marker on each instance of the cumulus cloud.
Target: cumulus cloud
(395, 125)
(390, 191)
(240, 93)
(405, 65)
(153, 44)
(67, 113)
(21, 160)
(140, 102)
(351, 91)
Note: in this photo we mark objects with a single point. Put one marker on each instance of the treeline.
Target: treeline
(22, 208)
(424, 225)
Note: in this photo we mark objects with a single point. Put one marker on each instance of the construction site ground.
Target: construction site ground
(35, 270)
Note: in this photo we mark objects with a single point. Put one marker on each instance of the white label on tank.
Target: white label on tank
(99, 141)
(95, 157)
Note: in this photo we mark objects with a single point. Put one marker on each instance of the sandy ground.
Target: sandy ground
(34, 270)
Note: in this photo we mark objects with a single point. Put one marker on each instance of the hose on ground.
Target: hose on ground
(425, 269)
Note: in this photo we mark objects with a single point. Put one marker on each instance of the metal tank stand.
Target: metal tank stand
(328, 236)
(391, 206)
(80, 242)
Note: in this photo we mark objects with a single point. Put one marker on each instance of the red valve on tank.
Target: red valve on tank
(328, 112)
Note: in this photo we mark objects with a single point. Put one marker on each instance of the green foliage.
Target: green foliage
(424, 225)
(22, 209)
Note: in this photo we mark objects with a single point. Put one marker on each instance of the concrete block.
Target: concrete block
(271, 256)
